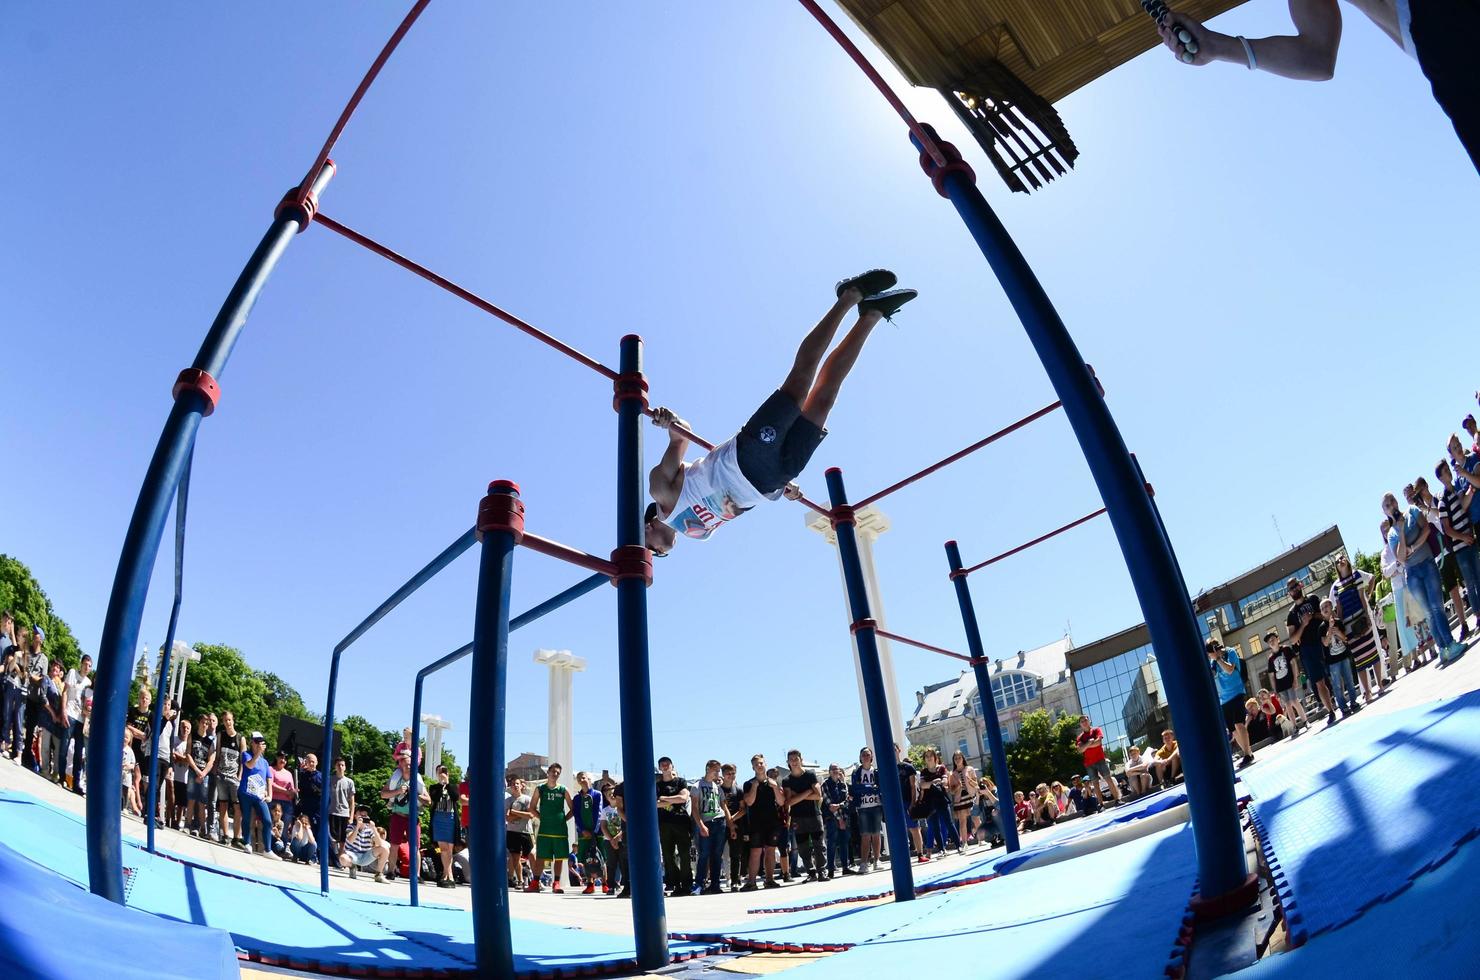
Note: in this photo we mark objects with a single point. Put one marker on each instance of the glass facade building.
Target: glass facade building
(1105, 687)
(1106, 672)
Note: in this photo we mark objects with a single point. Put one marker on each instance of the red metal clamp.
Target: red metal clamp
(1237, 899)
(629, 387)
(300, 208)
(955, 163)
(863, 624)
(958, 573)
(501, 510)
(841, 514)
(192, 379)
(633, 561)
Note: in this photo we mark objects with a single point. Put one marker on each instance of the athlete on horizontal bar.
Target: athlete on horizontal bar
(760, 462)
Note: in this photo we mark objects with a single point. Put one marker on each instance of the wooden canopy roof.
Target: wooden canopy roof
(1001, 64)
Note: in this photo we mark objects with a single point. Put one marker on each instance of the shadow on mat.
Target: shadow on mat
(1398, 827)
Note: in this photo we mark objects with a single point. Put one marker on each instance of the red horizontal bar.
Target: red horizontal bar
(566, 553)
(465, 294)
(955, 456)
(922, 646)
(359, 93)
(1024, 547)
(510, 319)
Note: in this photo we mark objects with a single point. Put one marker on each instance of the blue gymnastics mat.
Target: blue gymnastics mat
(294, 925)
(1128, 902)
(49, 927)
(1346, 829)
(997, 860)
(1426, 930)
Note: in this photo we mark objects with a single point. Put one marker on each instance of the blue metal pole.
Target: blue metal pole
(182, 496)
(523, 619)
(895, 816)
(634, 687)
(590, 584)
(120, 637)
(989, 702)
(449, 554)
(1148, 552)
(487, 710)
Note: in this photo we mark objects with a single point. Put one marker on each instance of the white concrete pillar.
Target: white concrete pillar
(432, 727)
(869, 523)
(562, 710)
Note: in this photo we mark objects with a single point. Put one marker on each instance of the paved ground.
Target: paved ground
(603, 914)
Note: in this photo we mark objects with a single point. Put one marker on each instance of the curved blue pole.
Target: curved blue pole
(181, 497)
(487, 712)
(523, 619)
(989, 702)
(1148, 553)
(895, 817)
(449, 554)
(120, 639)
(634, 689)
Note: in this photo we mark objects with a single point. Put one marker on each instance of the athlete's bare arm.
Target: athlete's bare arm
(1308, 55)
(666, 479)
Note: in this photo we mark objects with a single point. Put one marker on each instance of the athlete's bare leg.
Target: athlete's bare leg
(819, 401)
(809, 355)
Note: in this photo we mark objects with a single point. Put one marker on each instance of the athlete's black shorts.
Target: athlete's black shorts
(776, 444)
(1445, 36)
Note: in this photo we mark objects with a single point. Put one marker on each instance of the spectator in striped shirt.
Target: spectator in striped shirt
(1454, 504)
(364, 847)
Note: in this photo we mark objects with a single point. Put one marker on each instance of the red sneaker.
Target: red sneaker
(924, 859)
(533, 887)
(557, 889)
(590, 888)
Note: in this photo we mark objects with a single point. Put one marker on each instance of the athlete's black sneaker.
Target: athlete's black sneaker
(887, 303)
(870, 282)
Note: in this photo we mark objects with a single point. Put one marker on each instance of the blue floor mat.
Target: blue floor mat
(50, 927)
(996, 860)
(1153, 875)
(1426, 930)
(1347, 828)
(294, 925)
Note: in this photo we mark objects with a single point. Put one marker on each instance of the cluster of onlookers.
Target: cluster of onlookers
(788, 824)
(1336, 645)
(46, 707)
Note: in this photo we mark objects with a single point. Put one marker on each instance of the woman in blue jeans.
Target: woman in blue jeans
(1409, 538)
(253, 796)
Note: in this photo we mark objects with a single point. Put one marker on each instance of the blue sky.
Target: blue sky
(1274, 281)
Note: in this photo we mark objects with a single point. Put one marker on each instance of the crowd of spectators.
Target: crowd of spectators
(794, 823)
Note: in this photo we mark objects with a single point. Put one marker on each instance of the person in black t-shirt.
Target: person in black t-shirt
(803, 799)
(1284, 665)
(675, 830)
(907, 774)
(739, 843)
(1304, 622)
(761, 799)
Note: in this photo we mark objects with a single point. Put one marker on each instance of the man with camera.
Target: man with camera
(364, 847)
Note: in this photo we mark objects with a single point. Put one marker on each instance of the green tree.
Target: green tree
(1044, 750)
(364, 747)
(915, 755)
(222, 681)
(23, 596)
(1372, 565)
